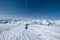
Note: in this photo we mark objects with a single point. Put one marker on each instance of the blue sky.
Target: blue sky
(35, 8)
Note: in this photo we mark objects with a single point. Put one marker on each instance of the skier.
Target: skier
(26, 26)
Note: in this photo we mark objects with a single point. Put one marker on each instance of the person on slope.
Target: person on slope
(26, 26)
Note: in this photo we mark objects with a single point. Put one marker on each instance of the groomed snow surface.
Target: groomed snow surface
(37, 30)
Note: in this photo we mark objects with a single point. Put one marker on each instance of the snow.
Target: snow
(15, 30)
(57, 21)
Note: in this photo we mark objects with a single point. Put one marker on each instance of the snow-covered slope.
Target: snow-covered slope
(57, 21)
(46, 22)
(43, 22)
(36, 31)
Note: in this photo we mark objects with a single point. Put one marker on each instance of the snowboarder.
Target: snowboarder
(26, 26)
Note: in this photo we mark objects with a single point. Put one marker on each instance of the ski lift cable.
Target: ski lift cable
(49, 2)
(25, 6)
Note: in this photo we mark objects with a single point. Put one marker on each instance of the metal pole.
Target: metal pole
(26, 25)
(25, 6)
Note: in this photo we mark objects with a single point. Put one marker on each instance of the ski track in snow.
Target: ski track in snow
(34, 32)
